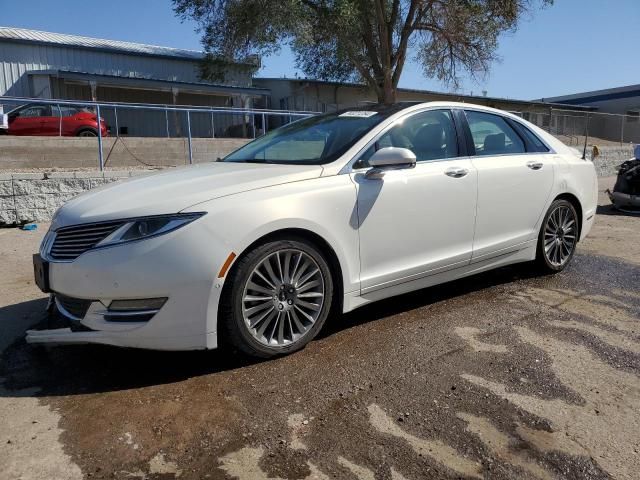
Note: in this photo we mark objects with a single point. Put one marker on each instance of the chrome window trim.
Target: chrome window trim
(348, 168)
(511, 155)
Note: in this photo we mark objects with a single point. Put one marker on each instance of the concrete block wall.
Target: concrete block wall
(77, 152)
(34, 197)
(610, 158)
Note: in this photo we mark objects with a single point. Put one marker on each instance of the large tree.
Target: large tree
(359, 40)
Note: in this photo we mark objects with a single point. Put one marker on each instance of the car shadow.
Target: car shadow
(82, 369)
(428, 296)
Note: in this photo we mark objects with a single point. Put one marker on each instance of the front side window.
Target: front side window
(431, 135)
(492, 135)
(36, 111)
(315, 140)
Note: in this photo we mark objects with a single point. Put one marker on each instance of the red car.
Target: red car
(34, 119)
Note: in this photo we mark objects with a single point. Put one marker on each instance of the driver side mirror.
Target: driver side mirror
(390, 158)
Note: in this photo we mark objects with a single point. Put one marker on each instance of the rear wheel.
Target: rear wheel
(87, 132)
(279, 297)
(558, 237)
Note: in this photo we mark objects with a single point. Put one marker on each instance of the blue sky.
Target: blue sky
(572, 46)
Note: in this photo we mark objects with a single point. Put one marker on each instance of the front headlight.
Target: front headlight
(148, 227)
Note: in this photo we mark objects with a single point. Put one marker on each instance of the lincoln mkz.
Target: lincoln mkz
(315, 218)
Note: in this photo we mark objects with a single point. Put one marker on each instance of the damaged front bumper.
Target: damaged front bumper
(65, 336)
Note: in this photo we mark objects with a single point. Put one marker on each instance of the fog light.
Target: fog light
(139, 310)
(138, 304)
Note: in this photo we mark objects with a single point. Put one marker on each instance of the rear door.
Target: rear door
(515, 179)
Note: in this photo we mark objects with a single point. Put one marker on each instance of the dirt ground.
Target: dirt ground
(503, 375)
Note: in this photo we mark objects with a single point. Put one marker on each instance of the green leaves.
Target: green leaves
(358, 40)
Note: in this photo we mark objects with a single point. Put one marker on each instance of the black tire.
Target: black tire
(546, 262)
(237, 332)
(87, 132)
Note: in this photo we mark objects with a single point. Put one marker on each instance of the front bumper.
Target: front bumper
(180, 266)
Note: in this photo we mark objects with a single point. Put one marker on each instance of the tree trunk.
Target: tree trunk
(386, 91)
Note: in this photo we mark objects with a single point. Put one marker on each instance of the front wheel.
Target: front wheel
(278, 298)
(558, 237)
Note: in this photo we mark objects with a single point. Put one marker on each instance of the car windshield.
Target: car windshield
(315, 140)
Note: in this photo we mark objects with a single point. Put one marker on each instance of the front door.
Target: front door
(418, 221)
(513, 185)
(30, 120)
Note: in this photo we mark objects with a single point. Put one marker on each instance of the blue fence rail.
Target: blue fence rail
(153, 120)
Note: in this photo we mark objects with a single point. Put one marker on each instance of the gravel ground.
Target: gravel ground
(503, 375)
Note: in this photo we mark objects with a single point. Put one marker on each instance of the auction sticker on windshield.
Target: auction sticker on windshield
(359, 114)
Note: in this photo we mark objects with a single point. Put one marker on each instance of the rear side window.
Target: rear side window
(67, 111)
(492, 135)
(534, 143)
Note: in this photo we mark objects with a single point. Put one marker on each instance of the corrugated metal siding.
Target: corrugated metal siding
(24, 34)
(17, 59)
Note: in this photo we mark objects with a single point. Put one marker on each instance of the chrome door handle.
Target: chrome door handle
(535, 165)
(456, 172)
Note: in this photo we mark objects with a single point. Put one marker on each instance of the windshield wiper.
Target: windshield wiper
(249, 160)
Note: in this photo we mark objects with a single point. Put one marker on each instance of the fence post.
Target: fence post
(622, 119)
(586, 139)
(264, 124)
(213, 129)
(115, 113)
(60, 121)
(100, 159)
(166, 119)
(189, 133)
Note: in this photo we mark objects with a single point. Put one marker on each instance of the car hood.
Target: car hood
(170, 191)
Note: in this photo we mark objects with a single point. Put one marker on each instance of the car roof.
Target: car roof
(403, 106)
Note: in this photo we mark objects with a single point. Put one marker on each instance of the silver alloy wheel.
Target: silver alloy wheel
(283, 297)
(87, 133)
(560, 235)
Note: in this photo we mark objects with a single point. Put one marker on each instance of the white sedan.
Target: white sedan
(315, 218)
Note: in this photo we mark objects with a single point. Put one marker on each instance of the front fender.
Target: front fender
(324, 206)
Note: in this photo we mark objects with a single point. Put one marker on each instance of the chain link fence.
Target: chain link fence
(607, 138)
(602, 129)
(147, 135)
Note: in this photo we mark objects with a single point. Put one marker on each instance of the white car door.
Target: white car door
(514, 184)
(417, 221)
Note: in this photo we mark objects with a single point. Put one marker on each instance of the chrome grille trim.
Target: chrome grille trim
(71, 242)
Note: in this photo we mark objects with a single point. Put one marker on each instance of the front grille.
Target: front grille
(71, 242)
(75, 306)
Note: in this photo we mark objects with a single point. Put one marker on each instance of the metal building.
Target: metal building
(51, 65)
